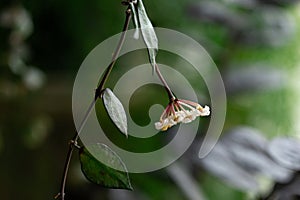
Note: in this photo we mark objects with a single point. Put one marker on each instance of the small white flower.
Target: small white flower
(178, 111)
(205, 111)
(161, 124)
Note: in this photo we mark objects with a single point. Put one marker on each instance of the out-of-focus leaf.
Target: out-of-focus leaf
(220, 163)
(185, 181)
(246, 136)
(240, 156)
(115, 110)
(101, 174)
(253, 78)
(286, 151)
(273, 27)
(246, 149)
(261, 25)
(213, 11)
(148, 33)
(259, 163)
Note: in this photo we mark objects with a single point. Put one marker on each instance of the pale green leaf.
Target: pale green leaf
(148, 33)
(115, 110)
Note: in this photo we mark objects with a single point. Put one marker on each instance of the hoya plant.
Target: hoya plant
(177, 110)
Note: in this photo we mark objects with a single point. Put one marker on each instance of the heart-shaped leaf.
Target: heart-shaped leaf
(148, 33)
(101, 174)
(115, 110)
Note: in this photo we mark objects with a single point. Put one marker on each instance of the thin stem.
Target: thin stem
(74, 141)
(164, 82)
(85, 118)
(65, 174)
(116, 53)
(73, 144)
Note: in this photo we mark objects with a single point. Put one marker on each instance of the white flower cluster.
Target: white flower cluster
(180, 111)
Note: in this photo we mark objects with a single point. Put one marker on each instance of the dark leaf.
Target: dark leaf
(286, 151)
(148, 33)
(101, 174)
(115, 110)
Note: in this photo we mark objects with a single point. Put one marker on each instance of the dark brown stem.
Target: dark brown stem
(73, 143)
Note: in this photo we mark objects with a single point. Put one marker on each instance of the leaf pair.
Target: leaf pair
(91, 165)
(112, 104)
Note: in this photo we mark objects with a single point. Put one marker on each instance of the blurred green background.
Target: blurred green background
(255, 44)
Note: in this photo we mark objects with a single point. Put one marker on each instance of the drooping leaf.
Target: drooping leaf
(101, 174)
(148, 33)
(115, 110)
(135, 20)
